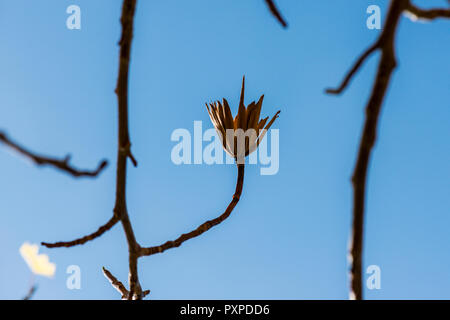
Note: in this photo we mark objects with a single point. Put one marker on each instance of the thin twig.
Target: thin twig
(276, 13)
(101, 230)
(30, 292)
(119, 285)
(353, 70)
(61, 164)
(427, 14)
(129, 154)
(204, 226)
(116, 283)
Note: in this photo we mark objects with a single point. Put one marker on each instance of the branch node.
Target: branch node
(127, 151)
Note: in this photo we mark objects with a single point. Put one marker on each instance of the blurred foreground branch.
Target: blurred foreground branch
(386, 45)
(30, 293)
(276, 13)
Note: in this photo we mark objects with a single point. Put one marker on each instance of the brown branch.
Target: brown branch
(276, 13)
(116, 283)
(427, 14)
(127, 20)
(123, 153)
(120, 208)
(353, 70)
(203, 227)
(101, 230)
(61, 164)
(410, 8)
(119, 285)
(129, 154)
(386, 66)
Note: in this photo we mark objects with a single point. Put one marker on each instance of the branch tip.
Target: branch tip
(276, 13)
(61, 164)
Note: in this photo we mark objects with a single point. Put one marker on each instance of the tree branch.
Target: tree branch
(119, 286)
(127, 21)
(116, 283)
(426, 14)
(123, 153)
(386, 66)
(101, 230)
(203, 227)
(30, 293)
(61, 164)
(276, 13)
(353, 70)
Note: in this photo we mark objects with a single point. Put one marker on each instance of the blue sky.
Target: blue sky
(288, 236)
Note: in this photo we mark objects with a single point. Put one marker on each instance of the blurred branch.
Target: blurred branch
(30, 292)
(203, 227)
(276, 13)
(61, 164)
(386, 44)
(427, 14)
(101, 230)
(353, 70)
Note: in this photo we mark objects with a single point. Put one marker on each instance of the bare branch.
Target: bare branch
(116, 283)
(123, 153)
(101, 230)
(203, 227)
(417, 13)
(353, 70)
(61, 164)
(119, 285)
(386, 66)
(127, 20)
(274, 10)
(30, 292)
(426, 14)
(129, 154)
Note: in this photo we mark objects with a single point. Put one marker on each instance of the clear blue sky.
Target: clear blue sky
(287, 238)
